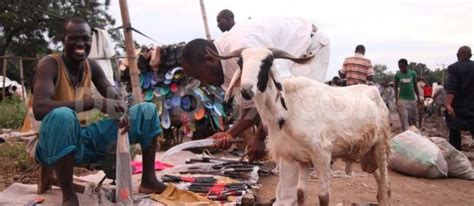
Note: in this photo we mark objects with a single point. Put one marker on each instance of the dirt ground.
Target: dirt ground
(362, 189)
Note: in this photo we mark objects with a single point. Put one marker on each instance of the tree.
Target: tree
(421, 69)
(30, 31)
(430, 76)
(381, 74)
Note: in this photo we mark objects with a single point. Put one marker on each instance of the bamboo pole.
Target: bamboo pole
(5, 62)
(22, 79)
(204, 19)
(130, 48)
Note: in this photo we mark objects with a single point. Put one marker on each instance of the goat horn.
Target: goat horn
(233, 54)
(279, 54)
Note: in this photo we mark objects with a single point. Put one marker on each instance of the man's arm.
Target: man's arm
(105, 88)
(43, 90)
(112, 104)
(416, 89)
(370, 72)
(396, 88)
(247, 119)
(451, 87)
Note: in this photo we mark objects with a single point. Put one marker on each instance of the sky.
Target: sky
(426, 31)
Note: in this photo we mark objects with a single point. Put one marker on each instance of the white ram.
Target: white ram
(309, 123)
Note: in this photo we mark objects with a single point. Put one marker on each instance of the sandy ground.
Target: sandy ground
(362, 189)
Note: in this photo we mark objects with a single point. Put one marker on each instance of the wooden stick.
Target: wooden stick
(204, 19)
(130, 48)
(5, 62)
(22, 79)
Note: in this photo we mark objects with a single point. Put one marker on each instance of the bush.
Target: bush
(12, 113)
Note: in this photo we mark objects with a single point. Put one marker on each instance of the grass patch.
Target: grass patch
(14, 157)
(12, 113)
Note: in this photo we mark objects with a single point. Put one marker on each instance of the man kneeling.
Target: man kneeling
(61, 96)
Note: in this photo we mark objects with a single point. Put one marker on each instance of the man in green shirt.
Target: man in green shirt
(406, 94)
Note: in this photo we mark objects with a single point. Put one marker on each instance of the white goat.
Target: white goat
(309, 123)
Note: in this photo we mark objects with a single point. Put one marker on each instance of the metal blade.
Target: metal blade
(187, 145)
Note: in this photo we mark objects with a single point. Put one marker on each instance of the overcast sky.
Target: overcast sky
(427, 31)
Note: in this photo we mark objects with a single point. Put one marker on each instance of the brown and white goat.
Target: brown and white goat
(309, 123)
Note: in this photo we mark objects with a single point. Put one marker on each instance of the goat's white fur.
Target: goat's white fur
(321, 123)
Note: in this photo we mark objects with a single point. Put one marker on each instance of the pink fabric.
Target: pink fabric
(138, 166)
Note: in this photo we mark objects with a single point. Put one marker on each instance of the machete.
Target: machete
(193, 144)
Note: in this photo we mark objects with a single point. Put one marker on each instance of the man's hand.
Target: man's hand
(450, 111)
(222, 140)
(420, 101)
(124, 123)
(256, 149)
(114, 108)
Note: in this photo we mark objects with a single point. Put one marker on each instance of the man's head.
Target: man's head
(197, 63)
(225, 20)
(77, 39)
(360, 49)
(464, 53)
(403, 65)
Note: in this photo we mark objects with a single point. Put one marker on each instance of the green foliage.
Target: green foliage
(381, 74)
(429, 75)
(12, 113)
(30, 32)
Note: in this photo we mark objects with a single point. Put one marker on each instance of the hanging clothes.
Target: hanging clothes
(101, 51)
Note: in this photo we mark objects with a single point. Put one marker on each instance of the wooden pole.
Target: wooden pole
(5, 62)
(22, 79)
(204, 18)
(130, 48)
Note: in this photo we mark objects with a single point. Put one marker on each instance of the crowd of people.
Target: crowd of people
(414, 98)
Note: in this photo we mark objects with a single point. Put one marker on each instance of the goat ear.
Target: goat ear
(276, 79)
(278, 84)
(233, 54)
(279, 54)
(229, 94)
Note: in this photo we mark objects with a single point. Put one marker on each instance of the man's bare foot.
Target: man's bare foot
(45, 179)
(70, 200)
(151, 187)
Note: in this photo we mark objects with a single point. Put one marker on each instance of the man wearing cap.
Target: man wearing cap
(294, 35)
(460, 97)
(61, 96)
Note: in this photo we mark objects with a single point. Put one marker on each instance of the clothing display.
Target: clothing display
(101, 51)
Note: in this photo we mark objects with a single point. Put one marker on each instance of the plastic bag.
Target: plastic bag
(416, 155)
(458, 164)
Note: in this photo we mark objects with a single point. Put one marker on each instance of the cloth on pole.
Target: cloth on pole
(101, 51)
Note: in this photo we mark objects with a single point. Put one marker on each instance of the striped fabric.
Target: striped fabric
(357, 68)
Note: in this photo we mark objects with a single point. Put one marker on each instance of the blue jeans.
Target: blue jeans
(61, 134)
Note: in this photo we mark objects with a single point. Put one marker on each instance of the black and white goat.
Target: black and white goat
(309, 123)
